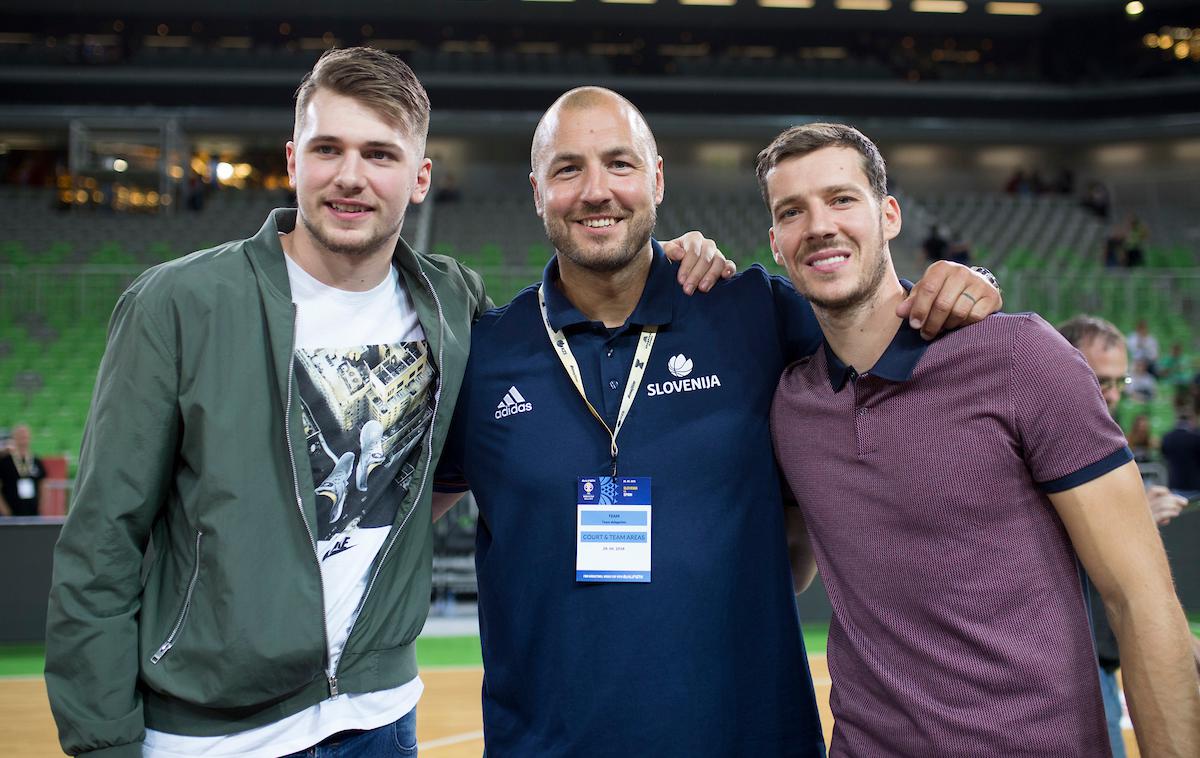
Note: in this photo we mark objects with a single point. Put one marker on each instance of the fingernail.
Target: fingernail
(915, 323)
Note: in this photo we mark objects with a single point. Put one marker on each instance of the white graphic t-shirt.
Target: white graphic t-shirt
(365, 382)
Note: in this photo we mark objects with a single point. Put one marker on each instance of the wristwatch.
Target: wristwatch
(991, 278)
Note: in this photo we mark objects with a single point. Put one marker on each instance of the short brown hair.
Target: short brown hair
(808, 138)
(1083, 330)
(380, 80)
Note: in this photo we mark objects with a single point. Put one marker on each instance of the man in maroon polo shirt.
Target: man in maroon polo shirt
(959, 627)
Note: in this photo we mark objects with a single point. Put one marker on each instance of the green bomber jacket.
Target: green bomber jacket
(186, 594)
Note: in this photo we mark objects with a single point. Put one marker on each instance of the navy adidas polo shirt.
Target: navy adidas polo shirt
(705, 660)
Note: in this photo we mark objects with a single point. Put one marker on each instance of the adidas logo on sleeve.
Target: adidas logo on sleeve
(512, 404)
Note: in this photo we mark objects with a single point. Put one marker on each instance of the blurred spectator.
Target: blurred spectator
(1017, 184)
(1143, 346)
(1181, 451)
(1064, 183)
(1173, 369)
(21, 475)
(935, 245)
(1103, 347)
(1114, 249)
(448, 191)
(959, 250)
(1142, 385)
(1136, 234)
(196, 192)
(1141, 442)
(1037, 185)
(1096, 199)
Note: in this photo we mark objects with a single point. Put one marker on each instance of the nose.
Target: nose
(820, 222)
(1112, 396)
(596, 189)
(350, 171)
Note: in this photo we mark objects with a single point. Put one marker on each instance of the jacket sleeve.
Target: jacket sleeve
(125, 469)
(478, 291)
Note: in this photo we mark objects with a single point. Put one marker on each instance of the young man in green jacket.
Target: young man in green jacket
(265, 419)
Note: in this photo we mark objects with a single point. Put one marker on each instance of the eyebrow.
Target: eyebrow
(607, 154)
(372, 144)
(833, 189)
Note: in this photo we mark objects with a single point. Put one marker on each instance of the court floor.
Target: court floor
(448, 719)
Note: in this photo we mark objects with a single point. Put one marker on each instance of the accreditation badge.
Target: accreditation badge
(26, 489)
(612, 529)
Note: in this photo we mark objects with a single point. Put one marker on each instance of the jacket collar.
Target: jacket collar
(266, 251)
(267, 258)
(656, 306)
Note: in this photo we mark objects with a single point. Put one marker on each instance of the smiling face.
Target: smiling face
(596, 182)
(355, 174)
(828, 229)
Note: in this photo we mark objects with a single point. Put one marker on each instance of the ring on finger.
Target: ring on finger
(968, 296)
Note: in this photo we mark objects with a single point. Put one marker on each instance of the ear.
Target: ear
(891, 218)
(660, 187)
(424, 177)
(289, 150)
(774, 250)
(537, 195)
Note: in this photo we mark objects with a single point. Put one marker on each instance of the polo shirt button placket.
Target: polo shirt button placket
(864, 435)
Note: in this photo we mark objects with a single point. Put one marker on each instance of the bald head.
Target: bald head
(20, 438)
(582, 99)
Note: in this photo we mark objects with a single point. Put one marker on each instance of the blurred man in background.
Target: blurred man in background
(1104, 348)
(21, 475)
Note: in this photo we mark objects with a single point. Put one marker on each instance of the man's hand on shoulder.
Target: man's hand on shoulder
(701, 264)
(950, 295)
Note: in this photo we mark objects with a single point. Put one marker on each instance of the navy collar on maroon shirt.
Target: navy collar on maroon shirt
(896, 364)
(656, 306)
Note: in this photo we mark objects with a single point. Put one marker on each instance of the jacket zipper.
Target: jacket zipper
(187, 602)
(437, 396)
(287, 433)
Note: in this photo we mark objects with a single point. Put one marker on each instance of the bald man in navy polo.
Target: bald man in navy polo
(959, 626)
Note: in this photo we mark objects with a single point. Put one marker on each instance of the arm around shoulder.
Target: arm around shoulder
(124, 473)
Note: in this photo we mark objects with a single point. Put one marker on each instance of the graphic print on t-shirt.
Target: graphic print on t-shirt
(364, 410)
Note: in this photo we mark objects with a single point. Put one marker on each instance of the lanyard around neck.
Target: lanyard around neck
(23, 465)
(640, 358)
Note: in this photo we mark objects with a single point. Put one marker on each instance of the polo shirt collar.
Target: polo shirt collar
(896, 364)
(656, 306)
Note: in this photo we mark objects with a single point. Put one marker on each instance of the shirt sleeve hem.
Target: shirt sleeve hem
(1088, 473)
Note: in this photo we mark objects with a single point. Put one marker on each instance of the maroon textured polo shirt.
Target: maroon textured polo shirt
(959, 627)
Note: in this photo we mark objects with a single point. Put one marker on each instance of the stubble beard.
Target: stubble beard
(358, 249)
(858, 297)
(638, 235)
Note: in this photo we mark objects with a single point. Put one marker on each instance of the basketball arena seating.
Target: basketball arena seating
(61, 271)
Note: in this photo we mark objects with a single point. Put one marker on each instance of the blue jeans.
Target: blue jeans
(397, 738)
(1112, 710)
